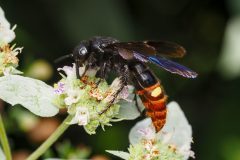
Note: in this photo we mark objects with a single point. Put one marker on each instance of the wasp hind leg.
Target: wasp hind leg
(112, 100)
(123, 78)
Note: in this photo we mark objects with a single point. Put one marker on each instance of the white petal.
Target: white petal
(124, 93)
(136, 133)
(69, 101)
(3, 19)
(32, 94)
(11, 70)
(128, 109)
(121, 154)
(178, 125)
(6, 33)
(82, 120)
(82, 115)
(69, 71)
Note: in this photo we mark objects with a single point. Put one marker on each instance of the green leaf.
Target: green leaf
(2, 156)
(32, 94)
(121, 154)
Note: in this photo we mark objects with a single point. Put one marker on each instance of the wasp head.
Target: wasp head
(81, 51)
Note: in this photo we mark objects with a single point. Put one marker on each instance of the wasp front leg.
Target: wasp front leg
(89, 64)
(77, 63)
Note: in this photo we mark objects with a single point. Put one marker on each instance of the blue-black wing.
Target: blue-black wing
(172, 67)
(147, 48)
(152, 51)
(167, 64)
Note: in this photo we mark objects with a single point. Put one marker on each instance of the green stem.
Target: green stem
(57, 133)
(4, 141)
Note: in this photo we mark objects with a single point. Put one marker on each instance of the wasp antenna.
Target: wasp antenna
(63, 58)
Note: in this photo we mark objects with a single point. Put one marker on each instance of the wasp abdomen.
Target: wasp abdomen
(154, 99)
(151, 93)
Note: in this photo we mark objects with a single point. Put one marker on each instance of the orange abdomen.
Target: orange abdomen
(154, 99)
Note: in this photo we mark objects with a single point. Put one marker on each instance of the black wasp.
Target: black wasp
(127, 60)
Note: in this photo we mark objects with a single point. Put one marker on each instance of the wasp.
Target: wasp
(128, 61)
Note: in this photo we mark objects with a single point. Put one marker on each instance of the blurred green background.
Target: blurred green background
(208, 29)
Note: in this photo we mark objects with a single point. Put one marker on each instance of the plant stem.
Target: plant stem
(4, 141)
(56, 134)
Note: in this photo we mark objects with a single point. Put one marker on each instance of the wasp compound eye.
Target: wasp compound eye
(82, 51)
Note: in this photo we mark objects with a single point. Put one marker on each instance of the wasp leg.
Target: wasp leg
(77, 62)
(136, 102)
(85, 71)
(114, 97)
(101, 74)
(123, 78)
(90, 64)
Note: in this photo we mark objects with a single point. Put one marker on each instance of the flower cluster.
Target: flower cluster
(172, 142)
(153, 150)
(88, 103)
(150, 147)
(8, 59)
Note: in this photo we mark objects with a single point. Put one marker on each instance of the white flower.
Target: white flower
(81, 116)
(175, 135)
(8, 59)
(69, 71)
(148, 132)
(59, 88)
(73, 96)
(6, 33)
